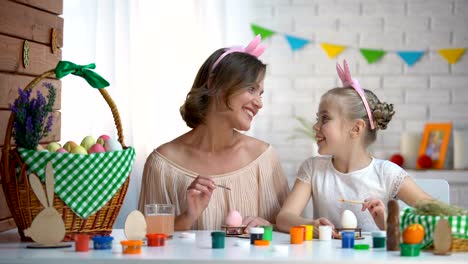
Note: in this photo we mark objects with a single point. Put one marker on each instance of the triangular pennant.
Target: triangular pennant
(452, 55)
(372, 55)
(332, 50)
(410, 57)
(296, 43)
(264, 32)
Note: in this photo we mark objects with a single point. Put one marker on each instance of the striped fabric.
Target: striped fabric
(459, 224)
(258, 189)
(84, 182)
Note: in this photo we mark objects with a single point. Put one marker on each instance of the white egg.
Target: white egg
(348, 219)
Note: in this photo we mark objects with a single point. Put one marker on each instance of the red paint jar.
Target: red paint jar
(81, 243)
(156, 240)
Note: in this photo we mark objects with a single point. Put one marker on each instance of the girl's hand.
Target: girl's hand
(322, 221)
(252, 221)
(198, 196)
(377, 209)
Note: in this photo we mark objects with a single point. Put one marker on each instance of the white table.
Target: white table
(180, 250)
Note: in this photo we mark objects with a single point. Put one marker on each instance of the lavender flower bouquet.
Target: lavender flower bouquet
(29, 124)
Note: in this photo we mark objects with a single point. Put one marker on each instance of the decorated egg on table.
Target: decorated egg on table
(112, 145)
(348, 219)
(234, 218)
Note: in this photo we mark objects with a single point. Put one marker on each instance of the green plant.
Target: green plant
(305, 129)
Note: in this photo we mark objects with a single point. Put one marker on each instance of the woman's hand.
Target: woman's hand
(198, 196)
(252, 221)
(377, 209)
(322, 221)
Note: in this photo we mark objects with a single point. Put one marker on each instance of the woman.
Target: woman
(187, 171)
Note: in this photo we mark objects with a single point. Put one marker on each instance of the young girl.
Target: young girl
(347, 123)
(186, 172)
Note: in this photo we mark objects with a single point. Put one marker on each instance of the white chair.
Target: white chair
(437, 188)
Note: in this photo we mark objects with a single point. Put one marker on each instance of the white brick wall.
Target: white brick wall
(431, 90)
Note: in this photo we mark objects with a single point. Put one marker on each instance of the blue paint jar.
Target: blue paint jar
(102, 242)
(347, 239)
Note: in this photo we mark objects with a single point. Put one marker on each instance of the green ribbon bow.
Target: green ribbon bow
(95, 80)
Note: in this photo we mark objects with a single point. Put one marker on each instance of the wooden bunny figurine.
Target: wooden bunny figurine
(48, 227)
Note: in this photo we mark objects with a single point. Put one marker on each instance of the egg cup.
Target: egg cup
(233, 230)
(355, 230)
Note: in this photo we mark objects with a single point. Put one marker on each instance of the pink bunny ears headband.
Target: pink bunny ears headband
(347, 80)
(254, 48)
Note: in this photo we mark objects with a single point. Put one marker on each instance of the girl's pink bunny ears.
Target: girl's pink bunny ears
(347, 80)
(254, 48)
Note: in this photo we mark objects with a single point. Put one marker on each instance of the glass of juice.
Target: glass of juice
(159, 219)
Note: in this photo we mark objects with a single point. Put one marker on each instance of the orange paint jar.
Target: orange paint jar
(297, 234)
(131, 246)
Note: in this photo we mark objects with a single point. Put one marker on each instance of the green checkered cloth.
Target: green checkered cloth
(84, 182)
(459, 224)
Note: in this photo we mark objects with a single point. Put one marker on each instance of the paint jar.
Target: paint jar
(325, 232)
(82, 243)
(217, 239)
(361, 246)
(131, 246)
(102, 242)
(309, 232)
(262, 242)
(410, 250)
(297, 234)
(156, 240)
(379, 239)
(256, 233)
(268, 232)
(347, 239)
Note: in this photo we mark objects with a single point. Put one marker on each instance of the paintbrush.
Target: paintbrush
(350, 201)
(221, 186)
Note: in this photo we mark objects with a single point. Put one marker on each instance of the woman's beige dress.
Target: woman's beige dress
(258, 189)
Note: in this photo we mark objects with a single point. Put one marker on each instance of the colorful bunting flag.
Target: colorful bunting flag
(410, 57)
(372, 55)
(332, 50)
(296, 43)
(452, 55)
(264, 32)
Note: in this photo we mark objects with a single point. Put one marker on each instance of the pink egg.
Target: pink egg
(61, 150)
(96, 148)
(234, 218)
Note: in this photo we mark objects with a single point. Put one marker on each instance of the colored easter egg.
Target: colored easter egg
(112, 145)
(96, 148)
(79, 150)
(69, 145)
(87, 142)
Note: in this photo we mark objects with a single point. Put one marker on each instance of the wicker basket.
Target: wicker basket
(24, 205)
(458, 225)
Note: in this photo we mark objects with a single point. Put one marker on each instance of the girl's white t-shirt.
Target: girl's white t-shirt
(381, 179)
